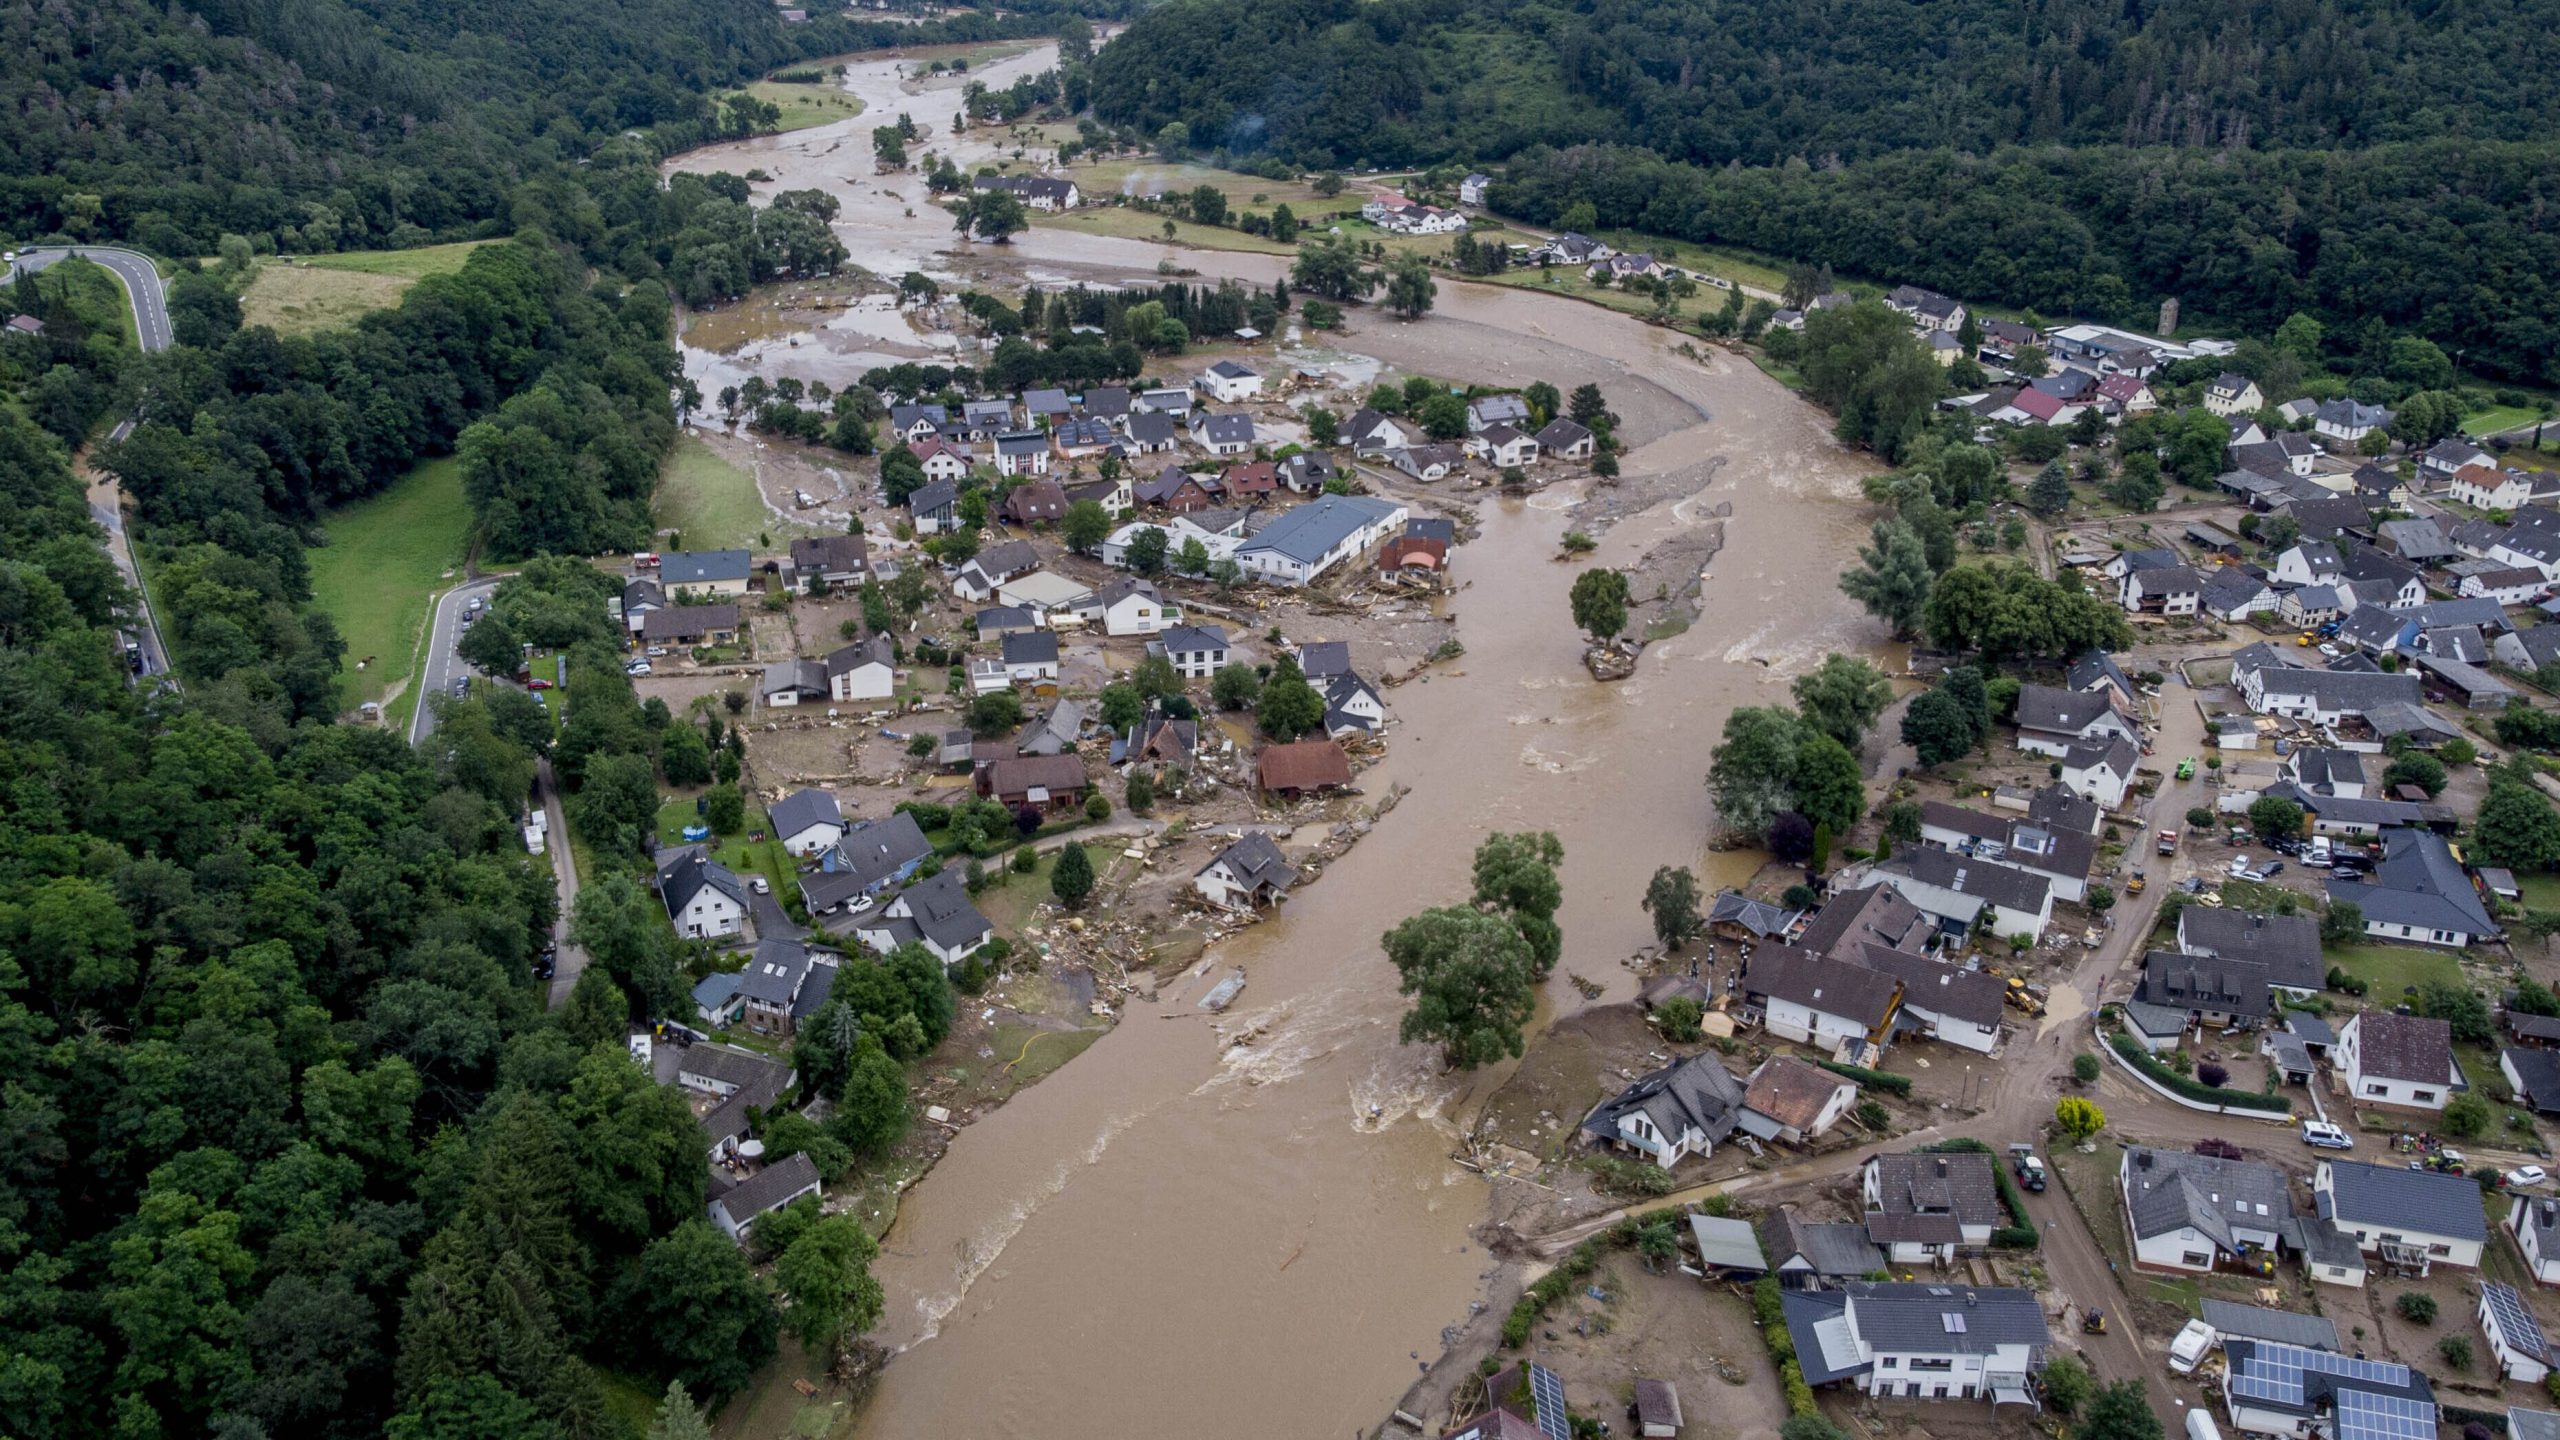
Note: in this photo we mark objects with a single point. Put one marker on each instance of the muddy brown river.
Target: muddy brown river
(1174, 1233)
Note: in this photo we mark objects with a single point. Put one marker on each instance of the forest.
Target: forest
(2353, 159)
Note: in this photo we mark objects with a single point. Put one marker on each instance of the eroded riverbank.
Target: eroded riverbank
(1175, 1231)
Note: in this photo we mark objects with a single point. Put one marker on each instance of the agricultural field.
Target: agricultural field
(710, 503)
(806, 103)
(379, 574)
(311, 293)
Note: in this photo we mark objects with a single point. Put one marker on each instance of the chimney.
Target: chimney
(1971, 1299)
(1942, 1167)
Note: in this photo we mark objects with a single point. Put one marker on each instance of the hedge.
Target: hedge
(2021, 1232)
(2149, 1064)
(1873, 1079)
(1770, 1311)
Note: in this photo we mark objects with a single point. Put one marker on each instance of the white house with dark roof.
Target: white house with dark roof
(1247, 875)
(2533, 1223)
(1958, 891)
(2419, 893)
(706, 572)
(2063, 857)
(2516, 1347)
(704, 898)
(1304, 543)
(736, 1209)
(2101, 773)
(1919, 1341)
(2052, 719)
(1486, 411)
(1793, 1100)
(2407, 1060)
(2287, 945)
(1930, 1205)
(2231, 394)
(1230, 382)
(1501, 445)
(1685, 1108)
(2193, 1212)
(806, 822)
(1956, 1006)
(1130, 605)
(1818, 1001)
(935, 913)
(1222, 433)
(872, 855)
(1195, 650)
(2348, 421)
(2414, 1217)
(867, 669)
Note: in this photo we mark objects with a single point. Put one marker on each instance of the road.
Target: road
(441, 667)
(571, 961)
(150, 302)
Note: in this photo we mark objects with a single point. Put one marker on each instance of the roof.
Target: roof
(1057, 730)
(2171, 1190)
(2095, 668)
(1818, 1326)
(1045, 402)
(2229, 588)
(1022, 774)
(1835, 1250)
(2061, 711)
(1940, 988)
(1255, 860)
(864, 858)
(1831, 987)
(873, 649)
(1324, 657)
(2287, 945)
(828, 554)
(2284, 1327)
(1657, 1402)
(941, 910)
(802, 809)
(1987, 880)
(1727, 1244)
(1313, 530)
(774, 971)
(2348, 412)
(1231, 370)
(1949, 1182)
(997, 618)
(1193, 639)
(686, 870)
(2420, 1200)
(2418, 883)
(2343, 691)
(2403, 1047)
(781, 675)
(2371, 1399)
(676, 621)
(1697, 1092)
(1303, 765)
(2229, 985)
(1031, 647)
(702, 567)
(1761, 918)
(714, 991)
(2155, 1020)
(2056, 808)
(769, 1188)
(933, 495)
(1231, 429)
(1905, 1318)
(1562, 434)
(2538, 1071)
(1792, 1092)
(1878, 915)
(2117, 757)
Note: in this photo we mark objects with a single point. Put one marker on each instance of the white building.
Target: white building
(1815, 1000)
(1129, 606)
(2412, 1217)
(737, 1209)
(1685, 1108)
(2533, 1223)
(2231, 394)
(1229, 382)
(2101, 773)
(1195, 650)
(863, 670)
(1924, 1206)
(2388, 1059)
(1249, 874)
(1306, 542)
(704, 899)
(2515, 1338)
(2192, 1212)
(807, 822)
(1958, 890)
(1899, 1340)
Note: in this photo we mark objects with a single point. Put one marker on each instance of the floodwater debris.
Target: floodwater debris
(1223, 994)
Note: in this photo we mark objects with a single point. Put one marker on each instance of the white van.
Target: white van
(2318, 854)
(2325, 1136)
(2192, 1345)
(2200, 1424)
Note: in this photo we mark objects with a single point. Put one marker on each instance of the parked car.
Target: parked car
(462, 688)
(537, 683)
(639, 667)
(2345, 872)
(2240, 866)
(657, 652)
(547, 962)
(2322, 1135)
(2274, 868)
(759, 884)
(2527, 1175)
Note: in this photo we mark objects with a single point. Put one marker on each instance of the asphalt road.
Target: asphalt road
(441, 667)
(571, 961)
(150, 302)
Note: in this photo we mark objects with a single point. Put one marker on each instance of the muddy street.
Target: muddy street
(1187, 1229)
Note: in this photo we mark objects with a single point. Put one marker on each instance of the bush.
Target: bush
(2467, 1117)
(1679, 1018)
(2149, 1064)
(2213, 1074)
(2084, 1068)
(2456, 1350)
(2415, 1307)
(2344, 983)
(1870, 1114)
(1630, 1177)
(1800, 897)
(1872, 1079)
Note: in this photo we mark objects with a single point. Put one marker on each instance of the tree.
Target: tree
(1671, 898)
(995, 713)
(1209, 206)
(2084, 1068)
(1290, 707)
(623, 930)
(1235, 686)
(1515, 875)
(1085, 526)
(2467, 1116)
(2461, 1008)
(1679, 1018)
(2078, 1118)
(492, 647)
(825, 1278)
(2275, 817)
(993, 215)
(1330, 269)
(2342, 923)
(1752, 771)
(2456, 1350)
(1470, 975)
(1443, 415)
(2213, 1073)
(1894, 577)
(1410, 288)
(2516, 828)
(1147, 550)
(2121, 1411)
(1828, 788)
(1072, 880)
(724, 810)
(1599, 598)
(1324, 428)
(2050, 494)
(2067, 1383)
(1843, 697)
(1936, 725)
(872, 1109)
(695, 1310)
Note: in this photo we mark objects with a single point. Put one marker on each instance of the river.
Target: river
(1176, 1234)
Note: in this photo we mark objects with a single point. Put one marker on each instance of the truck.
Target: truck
(2168, 842)
(2028, 1168)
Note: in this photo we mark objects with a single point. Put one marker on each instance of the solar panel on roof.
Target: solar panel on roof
(2366, 1416)
(1548, 1393)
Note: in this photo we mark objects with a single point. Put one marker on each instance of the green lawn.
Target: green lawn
(1144, 225)
(765, 857)
(312, 293)
(2497, 418)
(806, 105)
(416, 264)
(2541, 892)
(2392, 969)
(711, 503)
(386, 559)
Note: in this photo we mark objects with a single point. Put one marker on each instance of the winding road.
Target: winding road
(440, 667)
(150, 302)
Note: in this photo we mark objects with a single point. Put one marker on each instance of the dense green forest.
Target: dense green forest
(2359, 160)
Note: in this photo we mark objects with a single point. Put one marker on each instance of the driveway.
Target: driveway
(442, 667)
(571, 961)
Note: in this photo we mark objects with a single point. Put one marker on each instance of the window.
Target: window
(1937, 1364)
(2375, 1087)
(2423, 1097)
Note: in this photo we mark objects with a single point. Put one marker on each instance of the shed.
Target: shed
(1657, 1408)
(1725, 1244)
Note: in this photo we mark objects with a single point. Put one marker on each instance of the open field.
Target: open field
(711, 503)
(379, 573)
(2392, 969)
(2497, 418)
(805, 104)
(306, 295)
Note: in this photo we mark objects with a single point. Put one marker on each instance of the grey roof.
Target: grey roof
(941, 909)
(2284, 1327)
(1831, 987)
(2117, 756)
(1806, 1310)
(1987, 880)
(769, 1188)
(1034, 647)
(997, 618)
(2056, 808)
(1234, 429)
(1697, 1092)
(2156, 1020)
(802, 809)
(702, 567)
(640, 592)
(677, 622)
(1950, 1182)
(1328, 657)
(1231, 370)
(2477, 610)
(1940, 988)
(2171, 1190)
(2342, 691)
(1563, 434)
(905, 416)
(1045, 402)
(1761, 918)
(867, 856)
(2343, 411)
(2095, 668)
(2415, 539)
(683, 872)
(1311, 531)
(2523, 1424)
(2226, 985)
(2172, 580)
(1151, 428)
(799, 675)
(2324, 768)
(1877, 915)
(2287, 946)
(2539, 1071)
(1057, 731)
(1194, 639)
(2403, 1047)
(1008, 559)
(1110, 401)
(2420, 1200)
(2516, 1325)
(2019, 842)
(872, 649)
(2418, 883)
(774, 971)
(1255, 860)
(2325, 514)
(1840, 1251)
(2321, 1384)
(933, 496)
(815, 986)
(2542, 1216)
(1905, 1318)
(2065, 712)
(2313, 1029)
(713, 991)
(1727, 1244)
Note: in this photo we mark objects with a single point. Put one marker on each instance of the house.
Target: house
(1159, 738)
(1929, 1205)
(1304, 543)
(2406, 1217)
(1036, 192)
(1427, 462)
(1485, 412)
(2441, 461)
(2051, 720)
(934, 913)
(997, 621)
(704, 899)
(2533, 1075)
(2101, 772)
(2324, 770)
(2419, 542)
(1372, 432)
(1897, 1340)
(1807, 1255)
(807, 822)
(737, 1209)
(2489, 488)
(872, 856)
(2288, 1390)
(1502, 446)
(2062, 857)
(1306, 472)
(1117, 496)
(1815, 1000)
(1927, 310)
(1022, 452)
(1956, 1006)
(917, 423)
(835, 561)
(1960, 891)
(2232, 594)
(2515, 1337)
(1736, 916)
(716, 1003)
(1176, 489)
(2198, 1212)
(2128, 395)
(705, 572)
(1249, 874)
(2533, 1223)
(1031, 658)
(791, 682)
(1472, 189)
(2308, 562)
(2310, 606)
(1876, 916)
(740, 1080)
(1042, 782)
(1685, 1108)
(770, 986)
(1046, 406)
(640, 595)
(2231, 394)
(2506, 585)
(1302, 768)
(2287, 946)
(1229, 382)
(2388, 1059)
(1230, 433)
(1152, 432)
(2529, 649)
(1195, 650)
(1411, 554)
(1626, 267)
(2176, 590)
(690, 625)
(1351, 705)
(984, 419)
(934, 507)
(1128, 606)
(1042, 502)
(2282, 454)
(2055, 808)
(2272, 686)
(1565, 439)
(2324, 516)
(1055, 733)
(2418, 893)
(1571, 248)
(1793, 1101)
(2207, 990)
(2348, 422)
(985, 572)
(867, 669)
(1657, 1403)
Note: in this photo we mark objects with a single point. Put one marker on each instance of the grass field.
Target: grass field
(1142, 225)
(2497, 418)
(2392, 969)
(382, 567)
(804, 105)
(2541, 892)
(323, 292)
(711, 503)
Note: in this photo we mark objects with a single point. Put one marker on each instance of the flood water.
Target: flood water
(1173, 1232)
